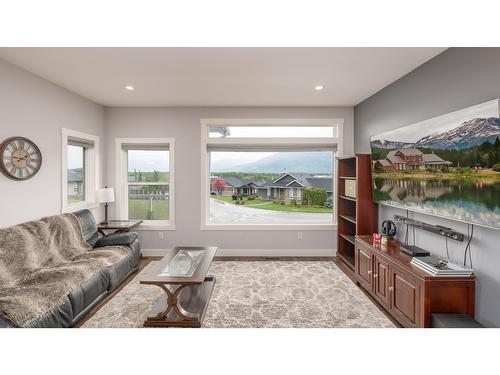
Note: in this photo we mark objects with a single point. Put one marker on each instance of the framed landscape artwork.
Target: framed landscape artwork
(447, 166)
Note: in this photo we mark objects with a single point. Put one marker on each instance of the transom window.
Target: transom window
(218, 131)
(269, 174)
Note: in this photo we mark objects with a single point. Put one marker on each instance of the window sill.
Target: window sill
(276, 227)
(78, 206)
(152, 226)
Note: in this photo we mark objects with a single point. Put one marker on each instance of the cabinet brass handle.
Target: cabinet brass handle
(375, 275)
(369, 272)
(391, 289)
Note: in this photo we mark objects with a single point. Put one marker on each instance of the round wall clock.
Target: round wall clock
(20, 158)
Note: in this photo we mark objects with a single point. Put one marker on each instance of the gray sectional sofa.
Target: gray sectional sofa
(69, 253)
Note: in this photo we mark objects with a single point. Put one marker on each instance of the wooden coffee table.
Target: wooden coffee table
(182, 275)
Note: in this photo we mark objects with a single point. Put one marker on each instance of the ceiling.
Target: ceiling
(221, 76)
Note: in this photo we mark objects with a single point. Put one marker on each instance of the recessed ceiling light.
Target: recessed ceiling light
(129, 87)
(319, 87)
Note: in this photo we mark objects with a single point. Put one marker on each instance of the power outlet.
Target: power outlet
(161, 235)
(299, 235)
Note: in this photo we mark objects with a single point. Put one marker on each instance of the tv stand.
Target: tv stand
(407, 293)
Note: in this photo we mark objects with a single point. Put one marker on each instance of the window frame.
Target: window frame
(91, 169)
(121, 180)
(296, 144)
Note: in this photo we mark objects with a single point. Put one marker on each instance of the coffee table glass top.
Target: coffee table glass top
(183, 264)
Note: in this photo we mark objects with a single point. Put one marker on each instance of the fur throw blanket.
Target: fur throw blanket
(41, 261)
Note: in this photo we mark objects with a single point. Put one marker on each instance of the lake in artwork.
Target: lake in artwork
(474, 201)
(447, 166)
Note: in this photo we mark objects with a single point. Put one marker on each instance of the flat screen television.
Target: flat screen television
(447, 166)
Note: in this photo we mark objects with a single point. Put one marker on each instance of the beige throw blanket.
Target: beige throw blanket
(41, 261)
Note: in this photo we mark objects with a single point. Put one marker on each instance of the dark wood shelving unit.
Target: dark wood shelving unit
(348, 237)
(355, 216)
(348, 198)
(352, 219)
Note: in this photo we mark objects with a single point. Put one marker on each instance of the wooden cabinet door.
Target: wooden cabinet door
(364, 268)
(381, 281)
(405, 297)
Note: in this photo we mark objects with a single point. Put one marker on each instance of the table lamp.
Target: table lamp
(106, 196)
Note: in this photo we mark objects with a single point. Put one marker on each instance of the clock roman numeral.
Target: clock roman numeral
(20, 159)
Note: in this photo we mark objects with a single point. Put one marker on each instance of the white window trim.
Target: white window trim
(121, 174)
(333, 142)
(92, 169)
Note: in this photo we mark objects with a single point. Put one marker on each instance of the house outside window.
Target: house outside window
(278, 174)
(145, 182)
(80, 173)
(76, 173)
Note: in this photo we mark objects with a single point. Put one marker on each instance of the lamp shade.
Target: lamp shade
(105, 195)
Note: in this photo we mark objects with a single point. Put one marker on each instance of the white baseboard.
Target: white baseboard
(154, 252)
(257, 252)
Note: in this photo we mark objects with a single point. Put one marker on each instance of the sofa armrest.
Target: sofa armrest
(117, 239)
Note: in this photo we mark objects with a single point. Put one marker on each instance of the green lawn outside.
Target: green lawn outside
(138, 209)
(269, 205)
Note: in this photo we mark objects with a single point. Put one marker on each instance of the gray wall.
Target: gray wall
(455, 79)
(37, 109)
(183, 124)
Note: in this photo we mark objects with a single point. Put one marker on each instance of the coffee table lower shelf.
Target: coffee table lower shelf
(193, 299)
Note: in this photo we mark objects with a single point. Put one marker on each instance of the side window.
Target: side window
(79, 173)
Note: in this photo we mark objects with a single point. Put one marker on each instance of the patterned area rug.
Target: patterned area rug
(281, 294)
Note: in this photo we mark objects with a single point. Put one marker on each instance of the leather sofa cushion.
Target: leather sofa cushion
(89, 226)
(119, 272)
(135, 249)
(116, 239)
(83, 296)
(5, 324)
(59, 317)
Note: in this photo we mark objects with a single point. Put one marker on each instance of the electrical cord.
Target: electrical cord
(470, 234)
(447, 250)
(470, 246)
(406, 234)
